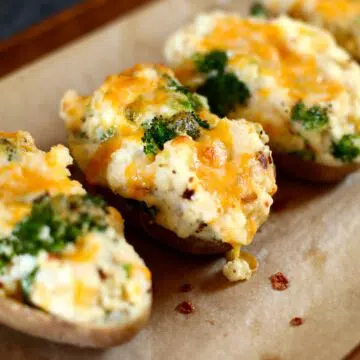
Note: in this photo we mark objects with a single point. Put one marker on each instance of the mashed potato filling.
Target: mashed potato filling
(300, 86)
(340, 17)
(63, 251)
(200, 175)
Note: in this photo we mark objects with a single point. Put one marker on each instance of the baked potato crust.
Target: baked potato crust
(297, 167)
(40, 324)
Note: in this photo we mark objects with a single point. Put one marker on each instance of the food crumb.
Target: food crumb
(296, 321)
(186, 287)
(279, 281)
(185, 307)
(211, 322)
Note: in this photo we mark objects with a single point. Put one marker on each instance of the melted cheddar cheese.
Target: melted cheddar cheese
(90, 279)
(283, 63)
(340, 17)
(212, 186)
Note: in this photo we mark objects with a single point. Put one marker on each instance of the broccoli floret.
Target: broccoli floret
(192, 99)
(9, 149)
(313, 118)
(53, 223)
(347, 148)
(26, 284)
(215, 60)
(106, 134)
(156, 135)
(224, 91)
(259, 10)
(162, 130)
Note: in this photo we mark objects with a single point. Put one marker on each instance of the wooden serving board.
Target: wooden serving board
(312, 235)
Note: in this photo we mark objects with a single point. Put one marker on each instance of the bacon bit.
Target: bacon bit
(201, 227)
(185, 307)
(191, 179)
(279, 281)
(1, 285)
(270, 160)
(296, 321)
(188, 194)
(186, 288)
(260, 156)
(102, 274)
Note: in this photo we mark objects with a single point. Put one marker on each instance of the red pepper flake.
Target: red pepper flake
(279, 281)
(296, 321)
(186, 287)
(185, 307)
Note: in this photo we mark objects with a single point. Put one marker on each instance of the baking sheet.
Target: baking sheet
(312, 235)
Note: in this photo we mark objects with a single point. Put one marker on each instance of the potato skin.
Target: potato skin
(309, 170)
(135, 217)
(40, 324)
(192, 244)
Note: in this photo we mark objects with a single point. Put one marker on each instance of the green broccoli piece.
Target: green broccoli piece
(26, 284)
(313, 118)
(215, 60)
(156, 135)
(259, 10)
(224, 91)
(347, 148)
(162, 130)
(106, 134)
(8, 148)
(128, 268)
(53, 223)
(192, 99)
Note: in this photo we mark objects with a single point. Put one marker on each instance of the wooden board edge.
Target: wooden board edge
(60, 29)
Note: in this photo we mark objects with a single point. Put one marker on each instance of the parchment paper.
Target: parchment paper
(312, 235)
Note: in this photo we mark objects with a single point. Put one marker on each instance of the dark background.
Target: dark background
(17, 15)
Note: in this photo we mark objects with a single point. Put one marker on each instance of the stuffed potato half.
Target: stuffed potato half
(340, 17)
(66, 272)
(206, 182)
(290, 77)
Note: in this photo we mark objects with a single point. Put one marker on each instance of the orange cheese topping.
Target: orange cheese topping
(124, 89)
(334, 9)
(138, 182)
(219, 172)
(85, 251)
(265, 43)
(84, 295)
(101, 159)
(25, 181)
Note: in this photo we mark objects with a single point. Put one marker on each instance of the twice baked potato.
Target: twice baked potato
(290, 77)
(340, 17)
(66, 272)
(203, 184)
